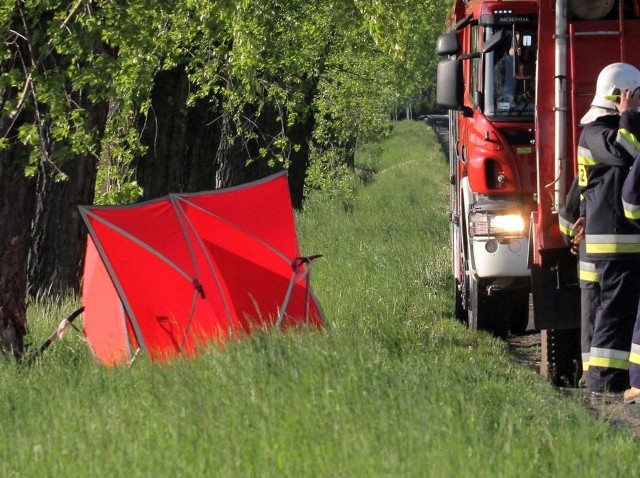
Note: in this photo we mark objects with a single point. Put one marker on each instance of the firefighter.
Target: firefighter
(631, 206)
(606, 150)
(503, 71)
(571, 223)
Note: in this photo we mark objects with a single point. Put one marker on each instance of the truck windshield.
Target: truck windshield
(510, 73)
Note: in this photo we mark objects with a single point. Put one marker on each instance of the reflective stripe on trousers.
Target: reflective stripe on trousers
(589, 300)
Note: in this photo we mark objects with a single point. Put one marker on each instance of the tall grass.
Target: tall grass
(393, 387)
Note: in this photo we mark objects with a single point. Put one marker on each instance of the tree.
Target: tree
(56, 72)
(44, 126)
(179, 95)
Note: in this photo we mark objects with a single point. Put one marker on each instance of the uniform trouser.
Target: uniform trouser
(589, 300)
(614, 325)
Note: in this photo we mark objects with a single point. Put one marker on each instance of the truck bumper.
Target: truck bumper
(500, 257)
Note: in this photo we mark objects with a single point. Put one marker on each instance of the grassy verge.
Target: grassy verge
(394, 387)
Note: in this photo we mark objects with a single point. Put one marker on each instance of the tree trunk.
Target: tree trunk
(195, 148)
(230, 159)
(59, 235)
(181, 140)
(15, 212)
(56, 258)
(300, 134)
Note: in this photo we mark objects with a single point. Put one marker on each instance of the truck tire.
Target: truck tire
(459, 302)
(519, 312)
(486, 312)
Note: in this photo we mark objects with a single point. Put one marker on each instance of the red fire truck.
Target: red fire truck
(517, 76)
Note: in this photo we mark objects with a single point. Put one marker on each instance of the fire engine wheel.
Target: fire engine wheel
(459, 301)
(519, 312)
(486, 312)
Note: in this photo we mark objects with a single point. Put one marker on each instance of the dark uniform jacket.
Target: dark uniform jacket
(606, 150)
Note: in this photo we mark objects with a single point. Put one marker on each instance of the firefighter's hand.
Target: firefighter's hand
(575, 248)
(577, 226)
(629, 101)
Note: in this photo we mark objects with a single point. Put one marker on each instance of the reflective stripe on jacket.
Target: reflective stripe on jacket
(587, 272)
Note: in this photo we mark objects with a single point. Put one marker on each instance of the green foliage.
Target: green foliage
(328, 174)
(341, 67)
(53, 73)
(393, 387)
(407, 31)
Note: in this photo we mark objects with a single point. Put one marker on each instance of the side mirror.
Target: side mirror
(449, 86)
(448, 44)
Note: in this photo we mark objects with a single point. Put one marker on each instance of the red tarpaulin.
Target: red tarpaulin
(183, 270)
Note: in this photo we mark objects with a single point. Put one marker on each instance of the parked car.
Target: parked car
(436, 121)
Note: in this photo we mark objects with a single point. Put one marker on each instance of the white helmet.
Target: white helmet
(612, 80)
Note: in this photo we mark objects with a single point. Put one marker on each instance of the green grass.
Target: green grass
(393, 387)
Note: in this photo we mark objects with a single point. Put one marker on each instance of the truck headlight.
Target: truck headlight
(490, 224)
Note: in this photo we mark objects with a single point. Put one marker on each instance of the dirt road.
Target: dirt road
(526, 348)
